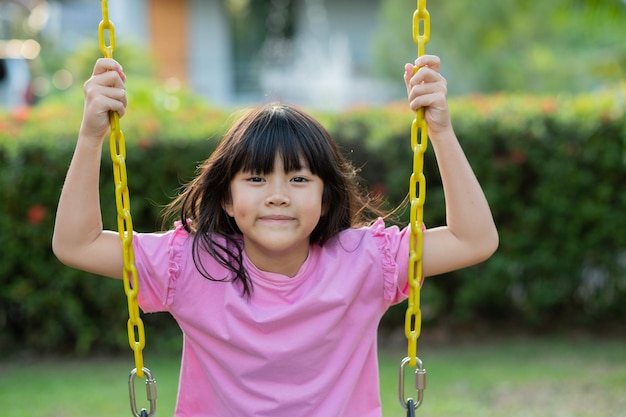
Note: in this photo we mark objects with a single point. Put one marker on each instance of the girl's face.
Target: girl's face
(276, 213)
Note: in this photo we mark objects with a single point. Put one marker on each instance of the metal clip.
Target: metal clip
(151, 393)
(420, 383)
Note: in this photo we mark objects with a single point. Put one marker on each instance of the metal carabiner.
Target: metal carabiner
(420, 383)
(151, 393)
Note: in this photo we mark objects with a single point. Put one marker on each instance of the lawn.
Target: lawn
(546, 377)
(553, 377)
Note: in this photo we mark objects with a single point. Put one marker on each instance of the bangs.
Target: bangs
(263, 146)
(278, 130)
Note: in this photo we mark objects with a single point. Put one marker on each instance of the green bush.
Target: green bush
(553, 169)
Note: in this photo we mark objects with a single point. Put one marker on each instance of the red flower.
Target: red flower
(549, 106)
(144, 143)
(378, 189)
(36, 214)
(21, 114)
(518, 157)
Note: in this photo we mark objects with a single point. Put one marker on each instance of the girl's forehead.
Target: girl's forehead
(277, 163)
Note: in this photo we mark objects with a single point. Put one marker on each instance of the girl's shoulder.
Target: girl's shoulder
(378, 252)
(175, 236)
(378, 235)
(178, 239)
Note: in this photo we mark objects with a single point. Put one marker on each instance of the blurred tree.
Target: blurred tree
(22, 19)
(514, 45)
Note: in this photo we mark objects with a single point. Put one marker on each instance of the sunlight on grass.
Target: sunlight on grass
(73, 388)
(539, 378)
(573, 378)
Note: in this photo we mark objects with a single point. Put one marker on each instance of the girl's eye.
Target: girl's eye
(299, 179)
(255, 179)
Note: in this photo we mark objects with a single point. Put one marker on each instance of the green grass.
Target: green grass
(515, 377)
(519, 377)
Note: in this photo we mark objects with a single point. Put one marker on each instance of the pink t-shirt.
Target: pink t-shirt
(302, 346)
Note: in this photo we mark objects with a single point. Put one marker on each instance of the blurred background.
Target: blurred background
(537, 91)
(242, 51)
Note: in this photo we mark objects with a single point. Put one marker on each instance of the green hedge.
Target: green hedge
(553, 169)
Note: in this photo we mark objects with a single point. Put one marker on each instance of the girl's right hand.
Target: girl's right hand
(104, 92)
(427, 88)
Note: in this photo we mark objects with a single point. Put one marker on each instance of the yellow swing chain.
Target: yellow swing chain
(417, 195)
(136, 335)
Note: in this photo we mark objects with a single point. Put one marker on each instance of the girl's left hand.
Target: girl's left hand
(427, 88)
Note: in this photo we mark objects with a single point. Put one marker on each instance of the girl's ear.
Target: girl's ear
(324, 208)
(325, 203)
(326, 200)
(227, 205)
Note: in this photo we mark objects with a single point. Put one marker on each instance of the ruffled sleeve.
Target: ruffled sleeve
(158, 258)
(393, 246)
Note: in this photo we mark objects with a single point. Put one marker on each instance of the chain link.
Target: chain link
(417, 195)
(117, 144)
(136, 335)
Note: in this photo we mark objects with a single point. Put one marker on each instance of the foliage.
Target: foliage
(552, 168)
(515, 46)
(45, 305)
(557, 168)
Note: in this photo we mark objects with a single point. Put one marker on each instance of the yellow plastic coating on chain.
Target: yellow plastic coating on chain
(417, 196)
(136, 335)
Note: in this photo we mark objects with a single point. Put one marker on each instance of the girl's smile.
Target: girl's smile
(277, 219)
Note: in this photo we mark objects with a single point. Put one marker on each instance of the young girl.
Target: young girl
(277, 283)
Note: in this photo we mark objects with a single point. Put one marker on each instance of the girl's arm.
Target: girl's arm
(79, 240)
(470, 235)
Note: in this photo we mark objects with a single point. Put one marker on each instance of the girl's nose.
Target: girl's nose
(277, 199)
(277, 195)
